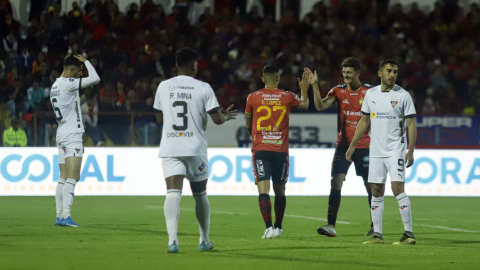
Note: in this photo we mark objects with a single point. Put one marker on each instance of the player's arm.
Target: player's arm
(320, 104)
(362, 126)
(412, 137)
(249, 123)
(220, 116)
(93, 77)
(304, 85)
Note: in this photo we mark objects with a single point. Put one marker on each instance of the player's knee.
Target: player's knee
(337, 182)
(279, 189)
(398, 188)
(198, 187)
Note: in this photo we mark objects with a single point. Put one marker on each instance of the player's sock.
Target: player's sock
(280, 204)
(370, 204)
(265, 209)
(405, 211)
(171, 209)
(68, 196)
(377, 213)
(333, 205)
(59, 196)
(202, 210)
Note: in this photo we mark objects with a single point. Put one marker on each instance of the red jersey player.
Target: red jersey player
(350, 99)
(267, 117)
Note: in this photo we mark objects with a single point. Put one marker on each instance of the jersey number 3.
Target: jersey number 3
(269, 114)
(58, 117)
(182, 115)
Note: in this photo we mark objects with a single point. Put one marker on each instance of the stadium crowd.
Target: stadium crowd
(133, 52)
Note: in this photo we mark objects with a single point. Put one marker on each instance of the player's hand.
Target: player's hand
(409, 159)
(229, 113)
(313, 78)
(304, 84)
(80, 58)
(349, 154)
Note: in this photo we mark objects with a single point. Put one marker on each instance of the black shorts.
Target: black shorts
(270, 165)
(360, 158)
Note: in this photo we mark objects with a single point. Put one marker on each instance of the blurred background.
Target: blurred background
(132, 44)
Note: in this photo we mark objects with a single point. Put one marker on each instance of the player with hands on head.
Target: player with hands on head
(267, 121)
(349, 97)
(185, 104)
(64, 96)
(386, 108)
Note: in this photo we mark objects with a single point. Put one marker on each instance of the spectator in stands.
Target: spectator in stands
(90, 120)
(14, 136)
(24, 62)
(91, 21)
(35, 94)
(42, 76)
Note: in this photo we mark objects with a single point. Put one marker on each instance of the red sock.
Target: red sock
(265, 209)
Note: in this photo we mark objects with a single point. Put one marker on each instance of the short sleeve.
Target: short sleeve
(211, 103)
(295, 101)
(365, 105)
(332, 93)
(249, 105)
(409, 108)
(156, 104)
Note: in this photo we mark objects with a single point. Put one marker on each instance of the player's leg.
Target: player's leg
(361, 160)
(197, 173)
(174, 171)
(280, 170)
(397, 177)
(60, 186)
(376, 177)
(262, 171)
(73, 165)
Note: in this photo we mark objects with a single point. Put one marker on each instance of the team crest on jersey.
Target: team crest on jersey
(360, 102)
(77, 150)
(64, 149)
(343, 91)
(202, 166)
(394, 102)
(71, 79)
(364, 91)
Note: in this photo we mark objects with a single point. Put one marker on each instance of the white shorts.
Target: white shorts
(380, 166)
(194, 168)
(69, 145)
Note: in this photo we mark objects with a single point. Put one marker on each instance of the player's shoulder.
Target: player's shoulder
(367, 85)
(373, 90)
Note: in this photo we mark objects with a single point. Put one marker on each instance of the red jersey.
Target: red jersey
(349, 113)
(270, 109)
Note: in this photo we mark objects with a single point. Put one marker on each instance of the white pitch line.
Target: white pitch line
(447, 228)
(245, 214)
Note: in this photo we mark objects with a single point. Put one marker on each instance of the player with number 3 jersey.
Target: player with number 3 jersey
(267, 121)
(65, 100)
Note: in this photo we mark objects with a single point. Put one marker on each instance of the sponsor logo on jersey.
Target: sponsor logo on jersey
(77, 112)
(354, 94)
(373, 115)
(343, 91)
(260, 170)
(384, 115)
(374, 102)
(179, 134)
(272, 137)
(364, 91)
(273, 142)
(366, 159)
(352, 113)
(394, 102)
(360, 101)
(200, 169)
(54, 93)
(173, 87)
(352, 123)
(271, 133)
(346, 101)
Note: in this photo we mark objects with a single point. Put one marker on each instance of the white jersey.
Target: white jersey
(388, 111)
(185, 103)
(66, 102)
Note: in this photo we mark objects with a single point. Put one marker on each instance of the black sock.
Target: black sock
(333, 205)
(265, 209)
(370, 205)
(280, 204)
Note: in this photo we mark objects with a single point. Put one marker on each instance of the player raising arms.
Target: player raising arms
(267, 116)
(386, 108)
(350, 98)
(185, 103)
(66, 105)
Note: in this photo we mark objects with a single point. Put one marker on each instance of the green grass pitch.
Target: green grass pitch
(130, 233)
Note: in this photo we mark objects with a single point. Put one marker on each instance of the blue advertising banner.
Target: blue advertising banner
(448, 130)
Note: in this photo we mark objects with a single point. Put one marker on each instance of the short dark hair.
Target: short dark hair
(71, 61)
(387, 61)
(352, 62)
(185, 57)
(271, 70)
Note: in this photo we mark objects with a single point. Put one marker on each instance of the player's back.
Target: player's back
(271, 109)
(185, 103)
(66, 105)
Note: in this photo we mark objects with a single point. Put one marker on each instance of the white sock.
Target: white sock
(405, 211)
(68, 195)
(171, 208)
(377, 214)
(202, 211)
(59, 196)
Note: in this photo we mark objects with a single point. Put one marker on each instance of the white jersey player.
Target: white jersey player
(389, 109)
(64, 97)
(185, 103)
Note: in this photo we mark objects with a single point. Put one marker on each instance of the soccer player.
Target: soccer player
(386, 108)
(350, 98)
(66, 105)
(185, 103)
(267, 116)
